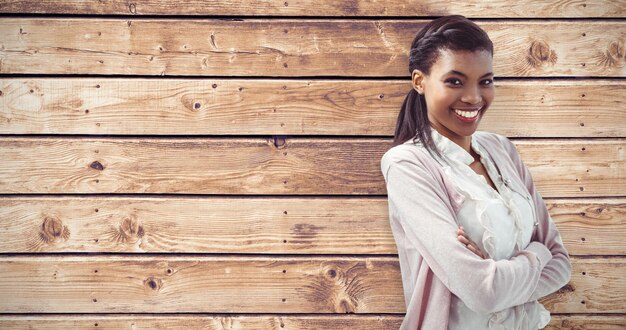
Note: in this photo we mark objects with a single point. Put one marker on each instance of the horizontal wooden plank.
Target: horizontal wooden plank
(472, 8)
(292, 225)
(125, 284)
(561, 168)
(266, 322)
(590, 226)
(542, 108)
(591, 278)
(217, 322)
(583, 166)
(292, 47)
(587, 322)
(199, 284)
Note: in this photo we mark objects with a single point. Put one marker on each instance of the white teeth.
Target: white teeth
(466, 114)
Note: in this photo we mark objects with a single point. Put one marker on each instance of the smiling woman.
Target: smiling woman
(476, 244)
(460, 89)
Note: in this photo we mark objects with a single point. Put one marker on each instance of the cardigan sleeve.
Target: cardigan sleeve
(557, 272)
(419, 201)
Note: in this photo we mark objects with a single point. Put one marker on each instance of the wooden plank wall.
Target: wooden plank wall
(215, 164)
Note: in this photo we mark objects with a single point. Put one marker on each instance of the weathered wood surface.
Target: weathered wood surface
(265, 322)
(587, 322)
(130, 284)
(473, 8)
(562, 168)
(597, 286)
(590, 226)
(287, 225)
(254, 47)
(310, 166)
(199, 284)
(540, 108)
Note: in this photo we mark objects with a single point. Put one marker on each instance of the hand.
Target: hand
(469, 244)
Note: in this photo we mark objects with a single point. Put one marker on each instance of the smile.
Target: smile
(467, 115)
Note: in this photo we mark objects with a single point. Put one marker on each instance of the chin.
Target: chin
(467, 130)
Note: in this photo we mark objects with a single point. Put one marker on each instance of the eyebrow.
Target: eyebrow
(465, 76)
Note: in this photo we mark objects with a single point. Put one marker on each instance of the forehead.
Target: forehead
(471, 63)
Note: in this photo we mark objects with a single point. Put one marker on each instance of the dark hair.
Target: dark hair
(453, 32)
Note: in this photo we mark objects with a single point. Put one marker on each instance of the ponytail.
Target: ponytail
(413, 122)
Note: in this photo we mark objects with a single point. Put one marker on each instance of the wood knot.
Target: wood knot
(305, 231)
(539, 53)
(279, 140)
(616, 50)
(130, 230)
(227, 323)
(334, 274)
(52, 229)
(192, 102)
(566, 289)
(613, 55)
(131, 227)
(346, 306)
(96, 165)
(76, 103)
(153, 283)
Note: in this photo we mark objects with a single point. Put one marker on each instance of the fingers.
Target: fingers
(476, 251)
(462, 236)
(469, 244)
(464, 240)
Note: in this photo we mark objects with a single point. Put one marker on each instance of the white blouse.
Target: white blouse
(500, 222)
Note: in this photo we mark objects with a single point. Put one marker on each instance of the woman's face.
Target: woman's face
(458, 91)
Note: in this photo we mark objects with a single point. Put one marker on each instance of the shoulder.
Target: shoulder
(496, 144)
(407, 155)
(489, 138)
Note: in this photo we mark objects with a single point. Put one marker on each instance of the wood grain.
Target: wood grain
(125, 284)
(587, 322)
(590, 166)
(269, 225)
(561, 168)
(217, 322)
(590, 226)
(213, 73)
(541, 108)
(199, 284)
(597, 286)
(364, 48)
(472, 8)
(265, 322)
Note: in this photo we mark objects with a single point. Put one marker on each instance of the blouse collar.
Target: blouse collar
(452, 150)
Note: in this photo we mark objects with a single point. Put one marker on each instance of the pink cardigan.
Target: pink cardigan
(422, 211)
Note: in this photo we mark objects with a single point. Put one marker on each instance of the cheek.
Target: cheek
(489, 94)
(439, 97)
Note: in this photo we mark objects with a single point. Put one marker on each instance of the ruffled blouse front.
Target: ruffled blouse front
(500, 222)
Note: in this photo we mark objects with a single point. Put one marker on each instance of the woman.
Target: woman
(476, 244)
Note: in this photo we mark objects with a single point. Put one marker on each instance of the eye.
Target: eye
(487, 82)
(453, 82)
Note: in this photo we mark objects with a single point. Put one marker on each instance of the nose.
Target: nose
(472, 95)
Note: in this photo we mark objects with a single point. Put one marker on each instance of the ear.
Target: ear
(417, 79)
